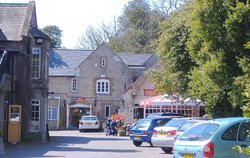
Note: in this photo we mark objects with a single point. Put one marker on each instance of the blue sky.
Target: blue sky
(74, 16)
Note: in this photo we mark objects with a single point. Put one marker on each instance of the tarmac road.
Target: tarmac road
(73, 144)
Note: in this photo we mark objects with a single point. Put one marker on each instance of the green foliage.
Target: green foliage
(173, 55)
(218, 31)
(138, 27)
(201, 48)
(33, 136)
(242, 149)
(55, 35)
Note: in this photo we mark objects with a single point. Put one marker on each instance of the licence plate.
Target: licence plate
(137, 137)
(187, 156)
(162, 134)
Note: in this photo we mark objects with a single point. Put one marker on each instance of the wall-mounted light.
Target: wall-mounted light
(50, 93)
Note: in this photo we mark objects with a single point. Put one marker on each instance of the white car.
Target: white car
(89, 123)
(164, 136)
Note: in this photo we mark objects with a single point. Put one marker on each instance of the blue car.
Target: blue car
(214, 139)
(142, 130)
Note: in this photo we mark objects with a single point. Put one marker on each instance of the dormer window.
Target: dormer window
(103, 62)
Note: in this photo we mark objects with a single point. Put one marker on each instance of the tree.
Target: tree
(212, 53)
(166, 7)
(138, 27)
(55, 35)
(94, 37)
(219, 30)
(136, 30)
(173, 54)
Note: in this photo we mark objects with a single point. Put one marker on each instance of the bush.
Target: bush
(33, 136)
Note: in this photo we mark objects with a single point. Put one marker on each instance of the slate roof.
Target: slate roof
(132, 59)
(2, 36)
(15, 19)
(63, 62)
(36, 33)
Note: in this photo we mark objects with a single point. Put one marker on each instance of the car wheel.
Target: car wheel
(80, 130)
(167, 150)
(137, 143)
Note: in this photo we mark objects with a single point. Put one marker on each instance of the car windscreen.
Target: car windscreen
(89, 118)
(142, 124)
(154, 115)
(185, 126)
(160, 122)
(174, 123)
(199, 132)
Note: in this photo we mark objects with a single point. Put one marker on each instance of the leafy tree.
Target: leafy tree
(211, 48)
(173, 55)
(55, 35)
(218, 31)
(138, 26)
(136, 30)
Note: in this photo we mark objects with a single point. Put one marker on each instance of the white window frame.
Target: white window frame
(74, 85)
(35, 120)
(107, 106)
(103, 86)
(36, 63)
(103, 62)
(52, 113)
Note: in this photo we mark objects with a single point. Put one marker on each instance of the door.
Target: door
(14, 123)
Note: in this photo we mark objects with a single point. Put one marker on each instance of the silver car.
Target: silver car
(164, 136)
(89, 123)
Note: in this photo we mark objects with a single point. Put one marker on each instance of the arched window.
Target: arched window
(102, 86)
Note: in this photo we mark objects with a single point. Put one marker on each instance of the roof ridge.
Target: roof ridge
(15, 4)
(71, 49)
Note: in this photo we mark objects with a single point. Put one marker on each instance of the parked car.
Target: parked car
(153, 115)
(214, 139)
(185, 126)
(142, 130)
(89, 123)
(164, 136)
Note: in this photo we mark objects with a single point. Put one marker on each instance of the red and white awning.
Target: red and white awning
(148, 101)
(165, 100)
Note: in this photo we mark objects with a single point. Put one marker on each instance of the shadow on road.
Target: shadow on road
(60, 145)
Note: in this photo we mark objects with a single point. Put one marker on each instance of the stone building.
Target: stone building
(140, 99)
(88, 82)
(23, 73)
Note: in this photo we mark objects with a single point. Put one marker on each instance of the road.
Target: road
(73, 144)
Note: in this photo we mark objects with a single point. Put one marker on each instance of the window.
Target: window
(103, 62)
(52, 113)
(36, 61)
(35, 115)
(107, 111)
(102, 86)
(244, 132)
(230, 133)
(73, 85)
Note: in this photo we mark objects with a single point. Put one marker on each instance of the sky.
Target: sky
(73, 17)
